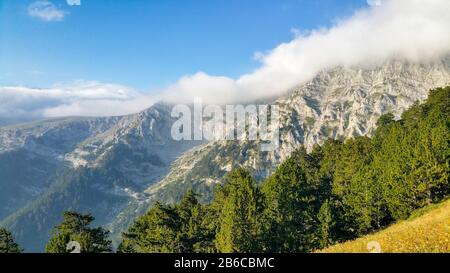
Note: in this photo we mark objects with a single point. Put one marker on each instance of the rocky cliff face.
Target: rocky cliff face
(346, 102)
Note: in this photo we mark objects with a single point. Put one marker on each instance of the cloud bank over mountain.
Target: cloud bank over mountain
(78, 98)
(413, 30)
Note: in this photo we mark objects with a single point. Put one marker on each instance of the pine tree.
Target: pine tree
(75, 229)
(7, 243)
(239, 225)
(292, 202)
(155, 232)
(325, 225)
(180, 228)
(353, 188)
(194, 234)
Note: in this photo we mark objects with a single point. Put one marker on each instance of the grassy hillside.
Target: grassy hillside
(427, 230)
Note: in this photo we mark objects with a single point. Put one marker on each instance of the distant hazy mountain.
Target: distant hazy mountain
(117, 167)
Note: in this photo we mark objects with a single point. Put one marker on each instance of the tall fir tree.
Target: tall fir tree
(292, 202)
(7, 243)
(325, 225)
(180, 228)
(239, 220)
(75, 231)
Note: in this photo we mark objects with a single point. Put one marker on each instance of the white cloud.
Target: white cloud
(79, 98)
(74, 2)
(415, 30)
(210, 88)
(46, 11)
(374, 2)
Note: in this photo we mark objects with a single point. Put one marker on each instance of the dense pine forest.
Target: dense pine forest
(337, 192)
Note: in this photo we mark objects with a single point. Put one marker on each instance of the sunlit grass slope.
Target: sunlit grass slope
(427, 230)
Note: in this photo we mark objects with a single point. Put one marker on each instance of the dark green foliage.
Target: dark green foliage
(239, 213)
(75, 228)
(7, 243)
(292, 199)
(412, 157)
(325, 224)
(339, 191)
(354, 189)
(171, 229)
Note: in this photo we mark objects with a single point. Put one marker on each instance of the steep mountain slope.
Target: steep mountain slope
(338, 103)
(99, 172)
(31, 153)
(427, 231)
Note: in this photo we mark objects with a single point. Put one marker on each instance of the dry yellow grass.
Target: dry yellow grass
(428, 230)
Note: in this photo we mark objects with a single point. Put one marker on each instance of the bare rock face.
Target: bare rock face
(346, 102)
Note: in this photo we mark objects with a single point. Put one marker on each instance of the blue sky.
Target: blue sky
(146, 44)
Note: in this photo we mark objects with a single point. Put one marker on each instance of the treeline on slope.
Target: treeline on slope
(339, 191)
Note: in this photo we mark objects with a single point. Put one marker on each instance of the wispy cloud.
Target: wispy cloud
(74, 2)
(46, 11)
(80, 98)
